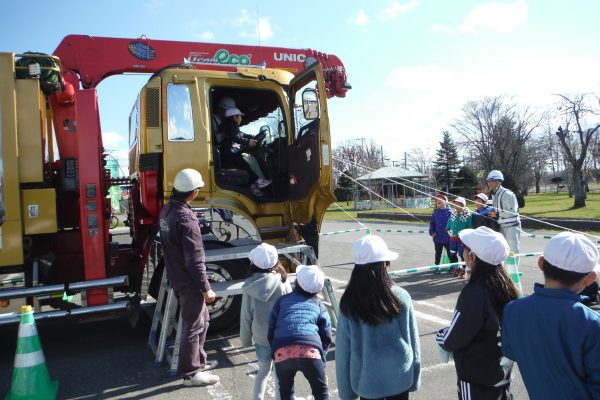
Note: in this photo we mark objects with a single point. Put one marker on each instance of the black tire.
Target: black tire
(114, 222)
(225, 313)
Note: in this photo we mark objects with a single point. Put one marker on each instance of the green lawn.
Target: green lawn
(548, 205)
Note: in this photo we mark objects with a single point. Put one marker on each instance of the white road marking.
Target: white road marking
(432, 318)
(435, 367)
(432, 305)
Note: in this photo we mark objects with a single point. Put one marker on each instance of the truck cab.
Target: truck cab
(171, 129)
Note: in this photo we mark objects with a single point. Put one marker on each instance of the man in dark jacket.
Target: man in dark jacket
(183, 251)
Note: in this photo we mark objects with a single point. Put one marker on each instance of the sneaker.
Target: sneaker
(263, 183)
(257, 192)
(212, 364)
(201, 379)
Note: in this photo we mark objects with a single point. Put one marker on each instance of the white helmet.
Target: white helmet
(226, 102)
(495, 175)
(187, 180)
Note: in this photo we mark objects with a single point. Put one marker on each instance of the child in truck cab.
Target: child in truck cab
(235, 146)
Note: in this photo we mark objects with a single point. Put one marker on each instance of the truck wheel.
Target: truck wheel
(225, 313)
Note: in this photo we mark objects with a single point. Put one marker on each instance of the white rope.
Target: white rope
(377, 194)
(469, 200)
(350, 215)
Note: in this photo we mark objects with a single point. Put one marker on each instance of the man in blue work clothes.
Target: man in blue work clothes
(505, 209)
(183, 251)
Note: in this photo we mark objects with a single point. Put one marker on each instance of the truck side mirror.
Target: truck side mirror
(310, 104)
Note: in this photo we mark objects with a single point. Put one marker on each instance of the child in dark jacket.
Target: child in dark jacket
(481, 214)
(438, 231)
(300, 334)
(474, 334)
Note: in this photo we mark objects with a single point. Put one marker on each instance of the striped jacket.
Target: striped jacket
(505, 203)
(474, 338)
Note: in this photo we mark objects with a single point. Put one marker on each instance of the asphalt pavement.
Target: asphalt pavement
(110, 359)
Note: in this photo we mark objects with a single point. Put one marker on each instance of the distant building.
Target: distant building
(402, 187)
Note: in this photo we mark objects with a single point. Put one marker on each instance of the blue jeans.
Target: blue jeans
(312, 369)
(456, 248)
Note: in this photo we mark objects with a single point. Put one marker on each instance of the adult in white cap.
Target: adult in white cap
(235, 149)
(482, 371)
(553, 337)
(377, 352)
(183, 250)
(261, 290)
(300, 334)
(460, 218)
(505, 209)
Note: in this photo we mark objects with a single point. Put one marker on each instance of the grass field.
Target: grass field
(543, 205)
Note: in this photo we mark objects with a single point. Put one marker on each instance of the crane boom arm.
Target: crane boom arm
(96, 58)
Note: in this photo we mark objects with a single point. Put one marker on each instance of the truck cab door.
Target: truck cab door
(309, 152)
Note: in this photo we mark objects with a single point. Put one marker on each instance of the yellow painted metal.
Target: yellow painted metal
(39, 211)
(278, 75)
(11, 252)
(30, 130)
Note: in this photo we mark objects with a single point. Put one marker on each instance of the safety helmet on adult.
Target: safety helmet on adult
(495, 175)
(187, 180)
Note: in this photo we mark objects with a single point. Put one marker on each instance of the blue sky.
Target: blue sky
(412, 63)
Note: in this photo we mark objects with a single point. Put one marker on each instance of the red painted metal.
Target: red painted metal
(91, 191)
(150, 197)
(95, 58)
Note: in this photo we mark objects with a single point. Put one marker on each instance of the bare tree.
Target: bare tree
(539, 157)
(498, 130)
(575, 138)
(358, 159)
(420, 160)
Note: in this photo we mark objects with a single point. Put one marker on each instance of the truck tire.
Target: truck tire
(225, 313)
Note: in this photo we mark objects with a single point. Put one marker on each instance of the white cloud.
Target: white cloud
(396, 8)
(498, 17)
(206, 36)
(441, 28)
(113, 140)
(418, 78)
(250, 27)
(360, 19)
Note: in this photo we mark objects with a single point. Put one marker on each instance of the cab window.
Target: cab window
(179, 113)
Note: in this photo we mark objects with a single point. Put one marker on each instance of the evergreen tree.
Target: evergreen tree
(466, 183)
(446, 163)
(343, 192)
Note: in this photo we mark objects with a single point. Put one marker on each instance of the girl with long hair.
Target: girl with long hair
(377, 341)
(474, 334)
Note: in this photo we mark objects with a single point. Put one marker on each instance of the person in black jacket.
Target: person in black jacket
(235, 148)
(474, 334)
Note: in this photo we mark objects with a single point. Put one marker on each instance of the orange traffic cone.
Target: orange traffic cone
(30, 378)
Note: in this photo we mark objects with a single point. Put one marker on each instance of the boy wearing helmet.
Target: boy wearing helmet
(505, 209)
(183, 252)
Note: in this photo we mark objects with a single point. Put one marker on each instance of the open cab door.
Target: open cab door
(309, 153)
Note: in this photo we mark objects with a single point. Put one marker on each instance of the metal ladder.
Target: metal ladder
(165, 331)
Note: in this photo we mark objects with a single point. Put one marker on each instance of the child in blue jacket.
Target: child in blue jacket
(552, 336)
(438, 231)
(300, 334)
